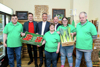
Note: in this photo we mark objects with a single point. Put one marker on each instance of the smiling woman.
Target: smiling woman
(52, 45)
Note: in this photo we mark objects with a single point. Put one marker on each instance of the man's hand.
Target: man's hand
(5, 45)
(22, 34)
(57, 51)
(36, 33)
(38, 46)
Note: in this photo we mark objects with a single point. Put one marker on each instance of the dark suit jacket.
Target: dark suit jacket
(58, 26)
(39, 27)
(25, 26)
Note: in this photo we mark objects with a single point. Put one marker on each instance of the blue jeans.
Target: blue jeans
(66, 51)
(51, 56)
(10, 52)
(87, 56)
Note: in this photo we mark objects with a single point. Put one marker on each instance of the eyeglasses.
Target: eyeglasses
(64, 20)
(14, 18)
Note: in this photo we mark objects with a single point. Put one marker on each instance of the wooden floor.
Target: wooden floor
(26, 60)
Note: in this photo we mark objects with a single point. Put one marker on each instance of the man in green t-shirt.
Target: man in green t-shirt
(85, 34)
(12, 33)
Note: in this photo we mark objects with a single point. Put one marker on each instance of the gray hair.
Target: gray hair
(83, 13)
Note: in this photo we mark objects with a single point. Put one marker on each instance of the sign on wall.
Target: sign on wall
(39, 10)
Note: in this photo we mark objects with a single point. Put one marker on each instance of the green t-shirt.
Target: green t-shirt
(52, 40)
(64, 28)
(84, 35)
(13, 34)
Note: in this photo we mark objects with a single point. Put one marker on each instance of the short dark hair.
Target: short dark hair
(44, 13)
(51, 24)
(13, 15)
(30, 13)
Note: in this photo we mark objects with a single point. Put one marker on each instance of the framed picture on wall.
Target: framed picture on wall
(60, 13)
(22, 15)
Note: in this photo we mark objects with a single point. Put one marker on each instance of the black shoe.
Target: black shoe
(36, 65)
(40, 65)
(30, 62)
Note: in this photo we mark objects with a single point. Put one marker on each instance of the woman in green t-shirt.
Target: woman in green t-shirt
(66, 50)
(52, 45)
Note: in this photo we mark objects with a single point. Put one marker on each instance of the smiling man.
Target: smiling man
(85, 34)
(30, 26)
(42, 28)
(12, 33)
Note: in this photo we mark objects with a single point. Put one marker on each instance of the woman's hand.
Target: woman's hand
(58, 47)
(43, 42)
(57, 51)
(73, 34)
(58, 32)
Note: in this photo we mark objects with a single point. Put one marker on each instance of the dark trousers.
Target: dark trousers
(41, 54)
(58, 56)
(30, 52)
(51, 56)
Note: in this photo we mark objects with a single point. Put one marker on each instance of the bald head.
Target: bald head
(55, 20)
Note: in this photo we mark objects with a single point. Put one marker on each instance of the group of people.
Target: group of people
(85, 33)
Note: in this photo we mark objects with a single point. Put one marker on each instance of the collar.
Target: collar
(84, 23)
(53, 32)
(44, 22)
(13, 24)
(57, 24)
(30, 22)
(64, 26)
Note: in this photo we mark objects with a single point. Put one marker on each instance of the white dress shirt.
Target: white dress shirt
(56, 27)
(43, 28)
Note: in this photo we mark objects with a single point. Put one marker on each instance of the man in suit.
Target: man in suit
(42, 28)
(55, 20)
(31, 26)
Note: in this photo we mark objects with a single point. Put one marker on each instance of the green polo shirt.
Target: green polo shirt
(84, 35)
(64, 28)
(52, 40)
(13, 34)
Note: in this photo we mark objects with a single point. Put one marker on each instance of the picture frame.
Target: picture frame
(60, 13)
(22, 15)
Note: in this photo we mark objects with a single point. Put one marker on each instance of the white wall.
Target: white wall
(1, 1)
(91, 7)
(94, 11)
(80, 5)
(28, 5)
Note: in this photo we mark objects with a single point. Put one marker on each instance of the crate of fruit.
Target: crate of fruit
(33, 39)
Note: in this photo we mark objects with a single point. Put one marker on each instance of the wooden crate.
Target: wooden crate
(68, 43)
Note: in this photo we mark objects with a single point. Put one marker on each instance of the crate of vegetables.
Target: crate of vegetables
(33, 39)
(66, 37)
